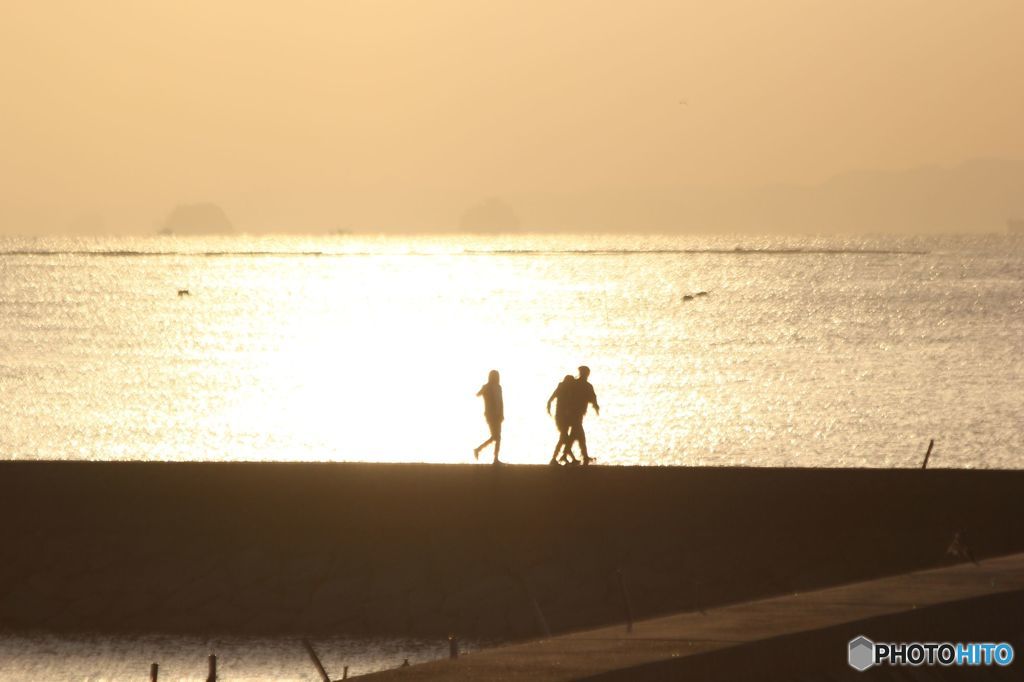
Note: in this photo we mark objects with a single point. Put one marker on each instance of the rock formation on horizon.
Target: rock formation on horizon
(194, 219)
(492, 216)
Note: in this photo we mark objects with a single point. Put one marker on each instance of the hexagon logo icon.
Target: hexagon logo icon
(862, 653)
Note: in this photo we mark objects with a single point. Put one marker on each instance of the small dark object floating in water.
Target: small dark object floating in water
(183, 292)
(690, 297)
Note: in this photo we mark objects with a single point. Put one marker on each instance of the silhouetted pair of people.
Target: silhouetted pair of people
(572, 397)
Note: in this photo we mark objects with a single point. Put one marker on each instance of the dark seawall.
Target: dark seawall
(431, 549)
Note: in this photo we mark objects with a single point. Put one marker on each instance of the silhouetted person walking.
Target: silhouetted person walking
(563, 399)
(582, 395)
(494, 413)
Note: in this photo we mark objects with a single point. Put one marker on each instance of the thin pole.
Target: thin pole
(542, 622)
(625, 600)
(453, 646)
(316, 661)
(539, 615)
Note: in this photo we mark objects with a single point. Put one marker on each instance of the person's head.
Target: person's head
(584, 371)
(568, 378)
(493, 377)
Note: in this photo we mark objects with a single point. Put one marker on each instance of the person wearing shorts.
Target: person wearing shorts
(494, 413)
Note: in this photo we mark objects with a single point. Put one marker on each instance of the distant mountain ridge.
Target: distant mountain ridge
(974, 196)
(980, 194)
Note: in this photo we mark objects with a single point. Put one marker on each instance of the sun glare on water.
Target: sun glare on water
(391, 373)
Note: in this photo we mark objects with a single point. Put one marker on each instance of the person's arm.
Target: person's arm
(554, 394)
(593, 401)
(501, 406)
(481, 391)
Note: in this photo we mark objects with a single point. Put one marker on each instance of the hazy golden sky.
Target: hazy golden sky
(311, 114)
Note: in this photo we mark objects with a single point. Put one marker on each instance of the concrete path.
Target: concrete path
(606, 650)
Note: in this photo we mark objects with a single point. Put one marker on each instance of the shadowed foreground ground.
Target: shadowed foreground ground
(802, 636)
(472, 550)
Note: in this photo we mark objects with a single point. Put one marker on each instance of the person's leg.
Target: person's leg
(563, 442)
(477, 449)
(581, 438)
(570, 436)
(496, 437)
(558, 446)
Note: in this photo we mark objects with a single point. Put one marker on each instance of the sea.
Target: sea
(704, 350)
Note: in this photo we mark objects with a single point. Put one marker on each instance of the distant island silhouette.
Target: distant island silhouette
(196, 219)
(491, 216)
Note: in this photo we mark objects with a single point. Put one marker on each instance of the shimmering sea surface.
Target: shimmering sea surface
(806, 351)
